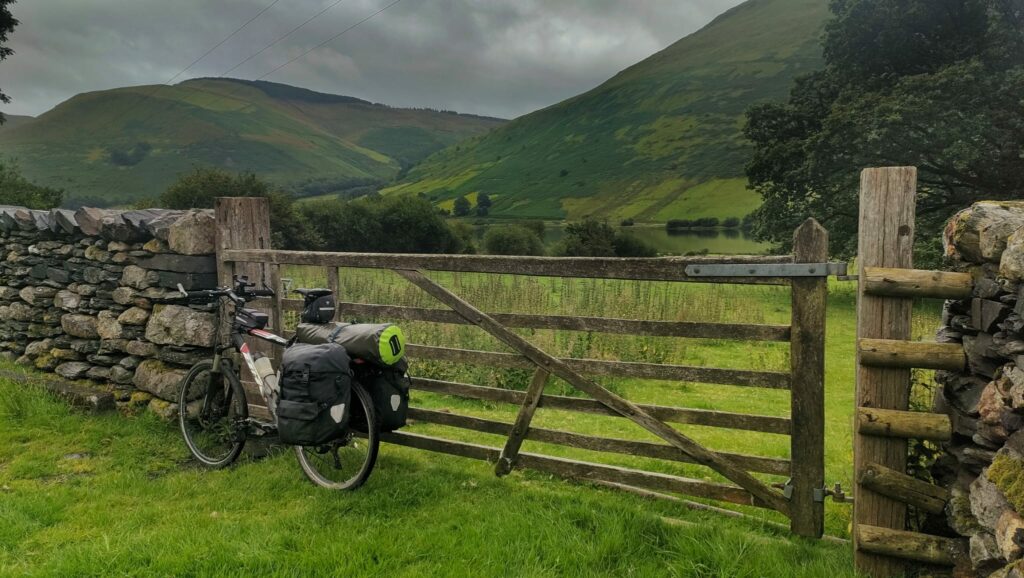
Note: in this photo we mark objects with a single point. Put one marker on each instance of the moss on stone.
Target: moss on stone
(1007, 473)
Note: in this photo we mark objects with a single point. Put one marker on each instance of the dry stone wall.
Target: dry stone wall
(78, 292)
(983, 465)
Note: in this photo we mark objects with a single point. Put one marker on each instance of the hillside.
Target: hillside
(659, 140)
(115, 146)
(13, 120)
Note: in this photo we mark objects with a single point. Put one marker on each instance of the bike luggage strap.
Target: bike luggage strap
(335, 333)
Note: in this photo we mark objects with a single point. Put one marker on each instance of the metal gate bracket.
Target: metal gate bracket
(766, 270)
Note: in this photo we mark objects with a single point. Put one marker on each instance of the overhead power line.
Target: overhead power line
(328, 41)
(279, 39)
(158, 87)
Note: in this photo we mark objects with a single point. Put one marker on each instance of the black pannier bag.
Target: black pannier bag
(316, 392)
(381, 344)
(389, 390)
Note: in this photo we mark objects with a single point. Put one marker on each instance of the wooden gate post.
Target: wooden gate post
(885, 239)
(807, 394)
(244, 223)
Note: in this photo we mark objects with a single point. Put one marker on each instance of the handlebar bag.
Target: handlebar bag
(316, 393)
(382, 344)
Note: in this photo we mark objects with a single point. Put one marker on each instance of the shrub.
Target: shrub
(591, 238)
(197, 190)
(731, 223)
(626, 223)
(15, 189)
(392, 224)
(535, 225)
(512, 240)
(678, 224)
(461, 207)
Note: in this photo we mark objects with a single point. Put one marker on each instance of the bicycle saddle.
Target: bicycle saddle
(308, 294)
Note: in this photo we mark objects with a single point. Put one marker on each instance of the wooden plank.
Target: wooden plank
(807, 400)
(649, 269)
(895, 282)
(909, 354)
(572, 469)
(760, 464)
(559, 368)
(522, 425)
(333, 283)
(741, 377)
(898, 485)
(908, 545)
(708, 508)
(738, 331)
(276, 311)
(885, 239)
(902, 424)
(704, 417)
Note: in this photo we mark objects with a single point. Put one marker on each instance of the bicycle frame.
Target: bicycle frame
(220, 364)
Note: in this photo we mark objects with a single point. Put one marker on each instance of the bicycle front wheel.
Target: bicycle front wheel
(345, 463)
(212, 413)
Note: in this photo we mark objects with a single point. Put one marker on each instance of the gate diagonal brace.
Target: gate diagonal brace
(767, 270)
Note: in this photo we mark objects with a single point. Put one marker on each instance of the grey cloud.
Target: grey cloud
(479, 56)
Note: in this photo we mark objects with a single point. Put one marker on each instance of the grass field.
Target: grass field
(90, 495)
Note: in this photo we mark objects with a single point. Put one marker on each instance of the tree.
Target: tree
(512, 240)
(7, 24)
(461, 207)
(592, 238)
(390, 224)
(289, 227)
(483, 204)
(934, 84)
(16, 190)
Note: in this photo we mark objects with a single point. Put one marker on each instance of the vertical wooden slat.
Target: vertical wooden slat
(509, 454)
(807, 388)
(277, 308)
(334, 285)
(885, 239)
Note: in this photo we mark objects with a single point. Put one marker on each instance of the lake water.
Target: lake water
(716, 241)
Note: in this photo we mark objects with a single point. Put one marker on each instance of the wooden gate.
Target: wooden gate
(804, 494)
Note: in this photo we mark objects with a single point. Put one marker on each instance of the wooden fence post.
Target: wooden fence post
(244, 223)
(885, 239)
(807, 394)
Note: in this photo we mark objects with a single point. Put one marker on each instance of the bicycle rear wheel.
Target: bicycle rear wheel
(345, 463)
(212, 412)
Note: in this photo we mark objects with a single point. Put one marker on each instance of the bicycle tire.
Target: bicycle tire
(316, 466)
(231, 406)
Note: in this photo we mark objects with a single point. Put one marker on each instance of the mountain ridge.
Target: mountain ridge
(122, 144)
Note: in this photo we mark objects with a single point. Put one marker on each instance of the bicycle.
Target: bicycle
(213, 411)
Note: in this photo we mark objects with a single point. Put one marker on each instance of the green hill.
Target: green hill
(13, 120)
(658, 141)
(115, 146)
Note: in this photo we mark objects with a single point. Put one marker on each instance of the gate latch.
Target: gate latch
(766, 270)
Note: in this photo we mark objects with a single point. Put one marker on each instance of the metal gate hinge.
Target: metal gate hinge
(818, 495)
(766, 270)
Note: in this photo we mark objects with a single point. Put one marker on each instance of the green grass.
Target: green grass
(285, 134)
(108, 494)
(660, 140)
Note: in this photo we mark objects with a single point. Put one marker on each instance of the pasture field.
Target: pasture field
(104, 494)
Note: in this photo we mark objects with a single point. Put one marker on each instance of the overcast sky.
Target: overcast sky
(493, 57)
